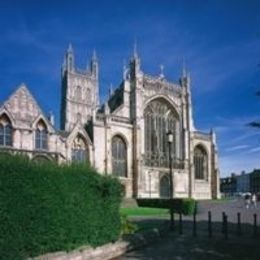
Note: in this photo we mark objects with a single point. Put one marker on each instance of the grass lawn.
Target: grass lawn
(142, 211)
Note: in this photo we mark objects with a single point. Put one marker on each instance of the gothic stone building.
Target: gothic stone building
(126, 137)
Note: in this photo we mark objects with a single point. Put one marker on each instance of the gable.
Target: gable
(22, 106)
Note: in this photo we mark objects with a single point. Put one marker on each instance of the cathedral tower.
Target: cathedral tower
(80, 95)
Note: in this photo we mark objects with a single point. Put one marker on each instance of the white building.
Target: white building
(125, 137)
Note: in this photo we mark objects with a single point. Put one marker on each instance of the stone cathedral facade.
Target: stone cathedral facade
(125, 137)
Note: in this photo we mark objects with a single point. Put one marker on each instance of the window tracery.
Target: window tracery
(79, 151)
(159, 118)
(41, 136)
(6, 131)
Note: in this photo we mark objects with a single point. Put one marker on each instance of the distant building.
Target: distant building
(255, 181)
(125, 137)
(243, 182)
(228, 185)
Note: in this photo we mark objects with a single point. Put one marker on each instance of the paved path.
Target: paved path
(181, 247)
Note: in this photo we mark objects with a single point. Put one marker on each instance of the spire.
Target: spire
(162, 73)
(70, 49)
(184, 71)
(51, 118)
(69, 58)
(110, 90)
(135, 63)
(94, 55)
(135, 54)
(124, 70)
(94, 64)
(213, 136)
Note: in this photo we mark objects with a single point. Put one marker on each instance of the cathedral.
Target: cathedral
(126, 137)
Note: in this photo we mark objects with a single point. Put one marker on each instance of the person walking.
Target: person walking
(247, 201)
(253, 201)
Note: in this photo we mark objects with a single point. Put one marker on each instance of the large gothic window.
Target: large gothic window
(79, 151)
(41, 136)
(160, 117)
(200, 163)
(119, 155)
(6, 131)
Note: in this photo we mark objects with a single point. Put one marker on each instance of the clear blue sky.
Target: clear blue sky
(220, 41)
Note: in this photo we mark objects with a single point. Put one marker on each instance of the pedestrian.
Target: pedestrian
(247, 201)
(253, 201)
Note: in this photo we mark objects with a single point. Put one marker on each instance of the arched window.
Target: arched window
(200, 163)
(164, 187)
(119, 157)
(41, 136)
(6, 131)
(79, 151)
(159, 118)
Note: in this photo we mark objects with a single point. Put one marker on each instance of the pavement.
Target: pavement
(185, 246)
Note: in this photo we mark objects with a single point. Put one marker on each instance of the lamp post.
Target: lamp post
(150, 184)
(170, 141)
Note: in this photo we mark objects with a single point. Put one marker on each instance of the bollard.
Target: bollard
(180, 223)
(226, 226)
(255, 225)
(194, 224)
(223, 222)
(209, 224)
(239, 224)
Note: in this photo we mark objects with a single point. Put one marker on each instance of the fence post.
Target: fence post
(209, 224)
(194, 224)
(239, 224)
(180, 223)
(255, 225)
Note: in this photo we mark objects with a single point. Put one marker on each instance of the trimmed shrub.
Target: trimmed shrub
(185, 206)
(46, 208)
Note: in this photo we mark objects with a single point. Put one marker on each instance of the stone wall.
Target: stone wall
(110, 250)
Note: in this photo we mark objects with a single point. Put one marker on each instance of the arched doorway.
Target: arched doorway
(164, 187)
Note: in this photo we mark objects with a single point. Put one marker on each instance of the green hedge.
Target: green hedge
(47, 208)
(186, 206)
